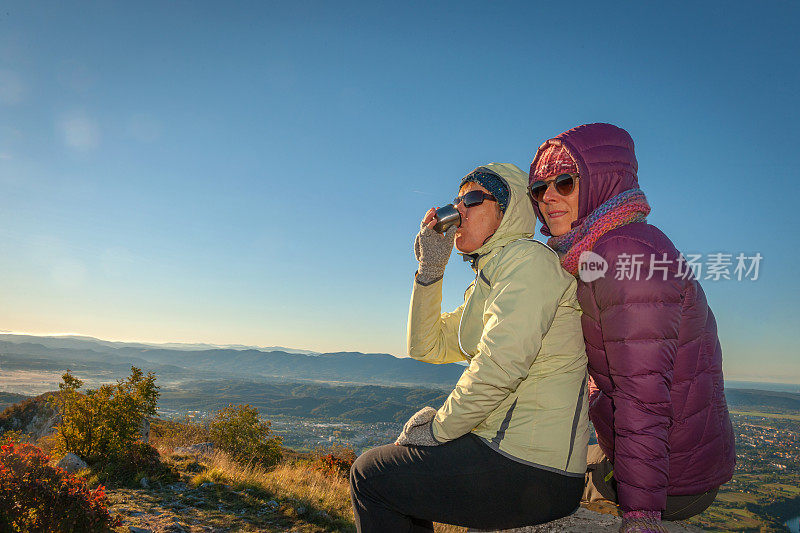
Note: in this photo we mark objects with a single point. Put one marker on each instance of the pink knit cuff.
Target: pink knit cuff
(647, 515)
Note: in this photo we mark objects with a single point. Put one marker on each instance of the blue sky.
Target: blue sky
(255, 172)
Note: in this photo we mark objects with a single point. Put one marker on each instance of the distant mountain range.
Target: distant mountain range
(769, 401)
(83, 341)
(28, 352)
(380, 387)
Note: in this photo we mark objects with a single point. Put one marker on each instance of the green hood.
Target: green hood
(519, 220)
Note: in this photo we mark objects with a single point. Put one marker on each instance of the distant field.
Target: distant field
(737, 497)
(716, 519)
(782, 489)
(767, 415)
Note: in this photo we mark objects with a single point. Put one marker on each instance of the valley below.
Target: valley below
(336, 406)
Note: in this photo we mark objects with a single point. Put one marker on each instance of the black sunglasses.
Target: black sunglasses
(563, 184)
(473, 198)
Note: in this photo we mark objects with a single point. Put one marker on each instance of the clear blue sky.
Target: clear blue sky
(254, 172)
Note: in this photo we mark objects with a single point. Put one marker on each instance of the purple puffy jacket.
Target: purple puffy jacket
(660, 411)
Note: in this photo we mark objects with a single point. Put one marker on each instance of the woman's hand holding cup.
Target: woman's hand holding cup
(432, 249)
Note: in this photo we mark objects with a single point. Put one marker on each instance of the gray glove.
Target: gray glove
(432, 249)
(418, 431)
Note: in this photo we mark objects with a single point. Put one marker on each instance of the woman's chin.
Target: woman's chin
(558, 230)
(463, 246)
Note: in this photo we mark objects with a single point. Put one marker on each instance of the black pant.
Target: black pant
(462, 482)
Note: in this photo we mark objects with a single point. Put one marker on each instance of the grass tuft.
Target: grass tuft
(321, 498)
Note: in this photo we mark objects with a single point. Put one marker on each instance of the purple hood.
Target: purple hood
(658, 405)
(606, 164)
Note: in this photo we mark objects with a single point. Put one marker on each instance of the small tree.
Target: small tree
(238, 430)
(103, 423)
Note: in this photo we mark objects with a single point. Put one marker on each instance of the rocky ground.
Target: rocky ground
(209, 507)
(218, 508)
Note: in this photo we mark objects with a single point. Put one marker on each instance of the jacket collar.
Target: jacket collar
(479, 259)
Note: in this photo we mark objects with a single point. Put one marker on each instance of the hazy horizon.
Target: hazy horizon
(783, 385)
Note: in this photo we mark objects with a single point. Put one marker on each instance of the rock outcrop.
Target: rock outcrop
(34, 417)
(71, 463)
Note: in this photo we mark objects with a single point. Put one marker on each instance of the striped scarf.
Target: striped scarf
(625, 208)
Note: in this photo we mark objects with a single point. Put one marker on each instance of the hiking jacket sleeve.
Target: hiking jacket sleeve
(432, 335)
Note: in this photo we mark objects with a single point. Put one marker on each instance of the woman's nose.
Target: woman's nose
(550, 194)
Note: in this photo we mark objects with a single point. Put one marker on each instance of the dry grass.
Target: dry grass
(298, 481)
(325, 498)
(168, 434)
(293, 484)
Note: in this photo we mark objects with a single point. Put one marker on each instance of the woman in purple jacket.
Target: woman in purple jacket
(657, 404)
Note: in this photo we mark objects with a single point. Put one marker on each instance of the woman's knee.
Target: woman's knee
(358, 472)
(365, 467)
(684, 507)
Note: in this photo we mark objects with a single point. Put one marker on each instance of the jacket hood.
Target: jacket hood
(606, 164)
(519, 220)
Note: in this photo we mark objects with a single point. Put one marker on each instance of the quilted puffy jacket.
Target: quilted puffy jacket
(658, 401)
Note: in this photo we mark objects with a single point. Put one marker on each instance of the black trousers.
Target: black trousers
(462, 482)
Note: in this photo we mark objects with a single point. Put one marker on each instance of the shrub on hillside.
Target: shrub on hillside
(102, 424)
(239, 431)
(335, 461)
(35, 496)
(140, 461)
(176, 433)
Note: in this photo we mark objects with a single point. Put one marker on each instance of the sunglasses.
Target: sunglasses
(563, 184)
(473, 198)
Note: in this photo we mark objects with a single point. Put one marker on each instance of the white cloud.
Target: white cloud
(12, 89)
(79, 131)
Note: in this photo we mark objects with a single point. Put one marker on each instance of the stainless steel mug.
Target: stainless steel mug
(446, 217)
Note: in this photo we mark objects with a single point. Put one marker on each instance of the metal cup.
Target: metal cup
(446, 217)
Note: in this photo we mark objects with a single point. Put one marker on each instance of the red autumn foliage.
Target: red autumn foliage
(335, 463)
(35, 496)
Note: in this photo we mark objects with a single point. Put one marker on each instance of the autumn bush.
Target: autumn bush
(334, 461)
(168, 434)
(35, 496)
(239, 431)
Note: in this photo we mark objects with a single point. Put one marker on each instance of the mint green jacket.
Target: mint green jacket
(524, 392)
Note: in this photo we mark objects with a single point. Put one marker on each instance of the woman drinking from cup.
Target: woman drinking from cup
(508, 446)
